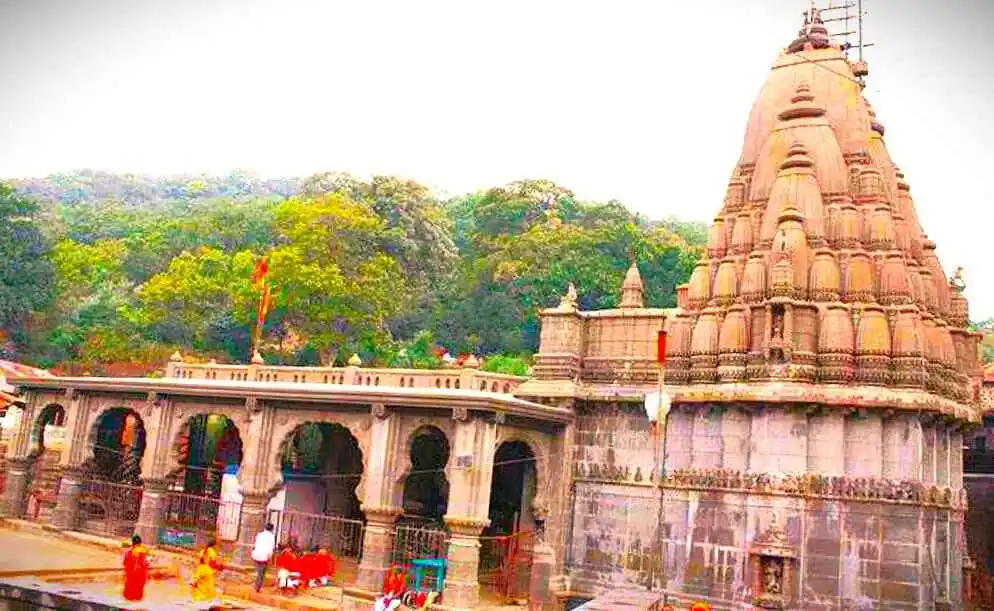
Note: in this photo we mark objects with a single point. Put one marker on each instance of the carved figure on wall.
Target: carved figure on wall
(772, 576)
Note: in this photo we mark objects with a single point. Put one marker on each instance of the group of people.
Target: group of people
(311, 569)
(137, 564)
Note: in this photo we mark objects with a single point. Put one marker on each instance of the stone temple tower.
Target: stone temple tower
(821, 354)
(821, 377)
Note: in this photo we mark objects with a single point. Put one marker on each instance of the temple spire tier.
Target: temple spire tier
(817, 267)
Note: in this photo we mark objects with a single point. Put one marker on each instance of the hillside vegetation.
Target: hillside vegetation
(109, 274)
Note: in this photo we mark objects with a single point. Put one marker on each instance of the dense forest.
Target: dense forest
(110, 274)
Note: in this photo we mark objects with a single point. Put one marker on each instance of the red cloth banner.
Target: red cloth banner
(661, 347)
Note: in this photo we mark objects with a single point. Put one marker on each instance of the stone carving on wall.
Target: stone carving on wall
(460, 414)
(773, 560)
(817, 485)
(378, 410)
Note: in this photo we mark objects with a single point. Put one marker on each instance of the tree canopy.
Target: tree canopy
(113, 273)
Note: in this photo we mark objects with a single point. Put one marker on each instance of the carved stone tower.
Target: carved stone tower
(821, 353)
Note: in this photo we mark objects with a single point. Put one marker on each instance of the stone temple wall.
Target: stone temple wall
(867, 546)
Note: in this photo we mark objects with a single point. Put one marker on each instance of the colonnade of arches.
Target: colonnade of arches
(321, 465)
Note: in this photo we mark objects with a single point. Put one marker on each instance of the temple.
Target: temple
(818, 382)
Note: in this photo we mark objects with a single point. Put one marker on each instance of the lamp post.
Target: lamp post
(657, 409)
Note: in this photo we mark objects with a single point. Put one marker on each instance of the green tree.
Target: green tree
(27, 279)
(338, 287)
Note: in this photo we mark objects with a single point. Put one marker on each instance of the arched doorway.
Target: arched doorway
(46, 454)
(204, 500)
(118, 447)
(207, 447)
(506, 543)
(321, 465)
(112, 488)
(421, 531)
(426, 488)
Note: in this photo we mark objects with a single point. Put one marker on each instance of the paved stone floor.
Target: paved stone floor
(35, 558)
(71, 564)
(26, 551)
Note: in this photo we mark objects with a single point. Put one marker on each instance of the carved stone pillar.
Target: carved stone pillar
(15, 492)
(152, 509)
(540, 597)
(377, 546)
(70, 488)
(253, 521)
(462, 585)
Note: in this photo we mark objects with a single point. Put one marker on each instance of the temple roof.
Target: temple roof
(817, 267)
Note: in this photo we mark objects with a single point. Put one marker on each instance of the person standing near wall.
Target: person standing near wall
(262, 553)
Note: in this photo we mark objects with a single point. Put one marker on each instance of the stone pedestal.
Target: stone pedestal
(252, 523)
(462, 584)
(377, 546)
(67, 510)
(151, 511)
(540, 596)
(15, 492)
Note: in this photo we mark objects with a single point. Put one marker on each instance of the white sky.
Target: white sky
(642, 101)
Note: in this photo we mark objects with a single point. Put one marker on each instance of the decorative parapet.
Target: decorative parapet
(466, 378)
(825, 487)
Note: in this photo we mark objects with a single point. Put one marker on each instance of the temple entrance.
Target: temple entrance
(426, 489)
(322, 466)
(421, 531)
(111, 493)
(506, 544)
(204, 500)
(46, 453)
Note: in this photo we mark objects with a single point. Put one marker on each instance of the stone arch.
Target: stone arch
(422, 488)
(356, 463)
(228, 449)
(117, 442)
(540, 449)
(52, 414)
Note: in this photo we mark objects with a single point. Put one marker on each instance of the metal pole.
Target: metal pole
(859, 9)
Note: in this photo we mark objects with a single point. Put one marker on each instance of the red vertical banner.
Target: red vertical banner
(661, 347)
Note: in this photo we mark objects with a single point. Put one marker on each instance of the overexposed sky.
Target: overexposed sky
(641, 101)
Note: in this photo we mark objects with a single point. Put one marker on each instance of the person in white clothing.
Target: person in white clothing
(262, 553)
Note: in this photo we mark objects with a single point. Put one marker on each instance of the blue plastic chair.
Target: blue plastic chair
(423, 565)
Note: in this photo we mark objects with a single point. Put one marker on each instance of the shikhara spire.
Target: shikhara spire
(818, 269)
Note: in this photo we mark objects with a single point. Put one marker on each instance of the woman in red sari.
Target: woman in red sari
(135, 570)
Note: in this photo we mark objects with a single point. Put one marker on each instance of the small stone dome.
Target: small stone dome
(679, 336)
(859, 279)
(717, 242)
(705, 337)
(734, 337)
(836, 335)
(753, 288)
(726, 283)
(895, 285)
(826, 281)
(699, 289)
(742, 234)
(908, 336)
(881, 233)
(873, 333)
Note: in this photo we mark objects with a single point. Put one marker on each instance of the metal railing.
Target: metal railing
(108, 508)
(417, 541)
(339, 535)
(506, 563)
(189, 520)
